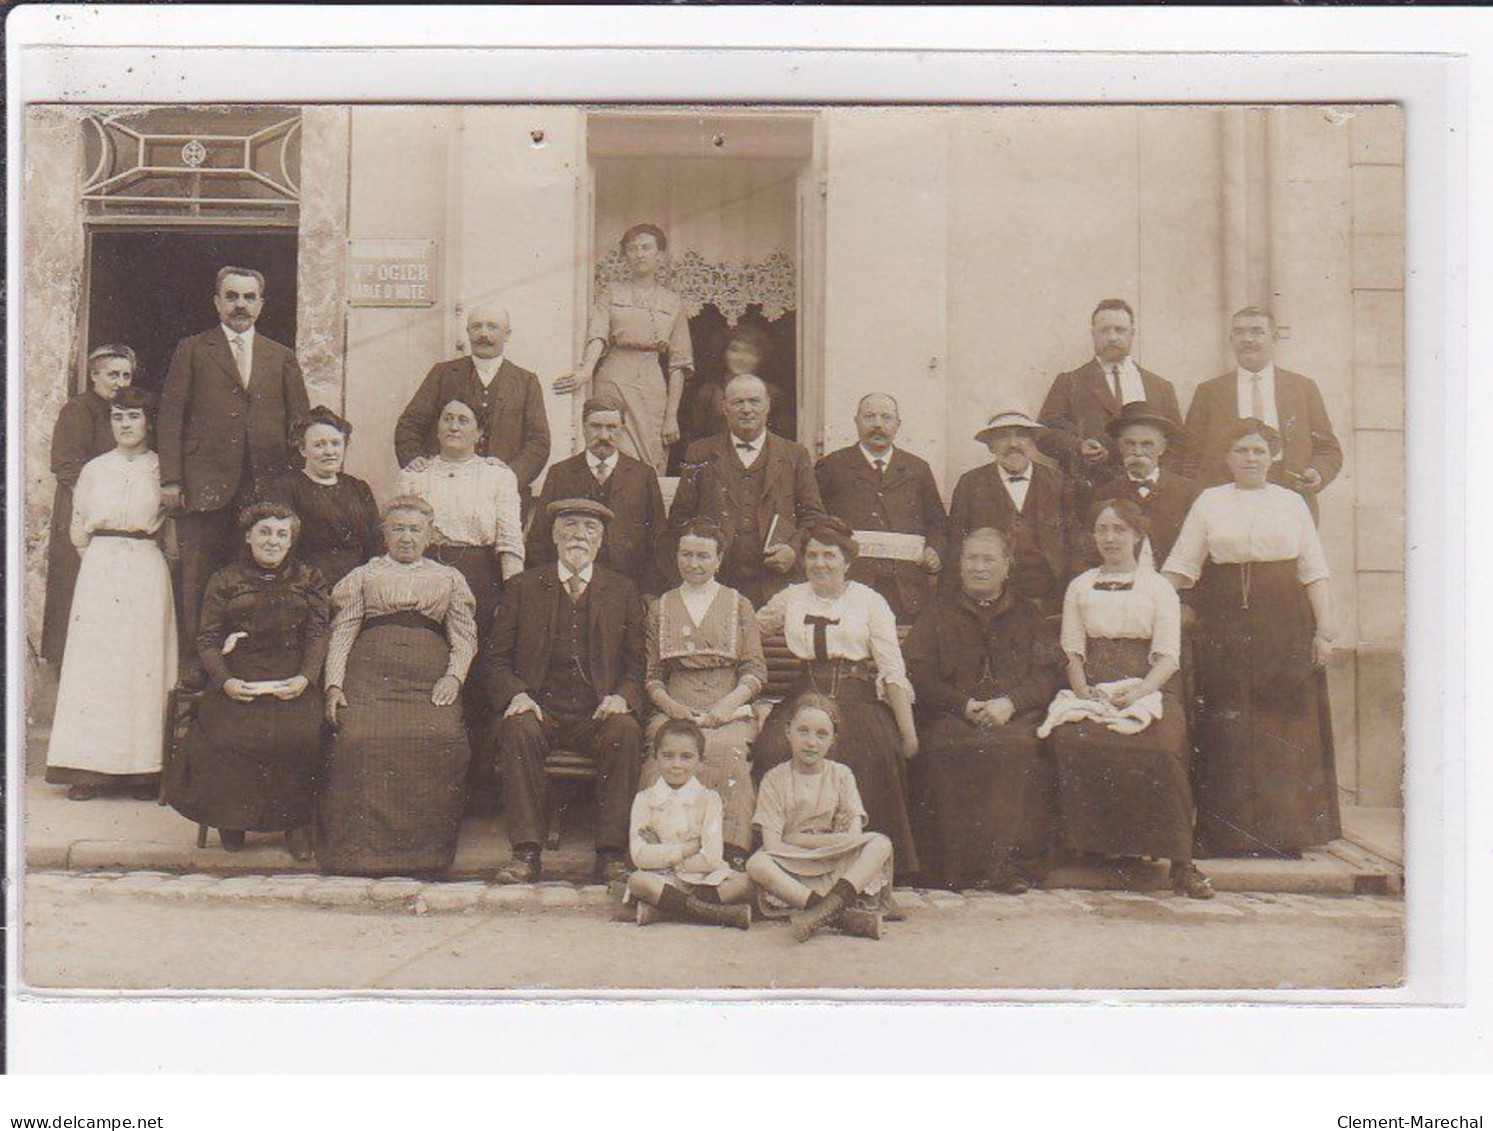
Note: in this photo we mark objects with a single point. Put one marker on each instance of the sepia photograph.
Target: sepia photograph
(627, 548)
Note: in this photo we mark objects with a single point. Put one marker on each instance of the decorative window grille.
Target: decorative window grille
(229, 162)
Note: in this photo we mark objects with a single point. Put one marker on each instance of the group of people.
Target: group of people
(1116, 650)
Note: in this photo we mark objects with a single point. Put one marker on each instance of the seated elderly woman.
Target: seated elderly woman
(985, 663)
(705, 664)
(845, 635)
(1125, 792)
(339, 519)
(249, 762)
(403, 639)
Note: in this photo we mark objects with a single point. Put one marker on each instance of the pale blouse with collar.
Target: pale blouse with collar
(385, 586)
(475, 502)
(1147, 609)
(866, 628)
(676, 816)
(1267, 524)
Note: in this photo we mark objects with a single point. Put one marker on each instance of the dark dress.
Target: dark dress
(339, 522)
(1265, 781)
(1125, 794)
(983, 796)
(252, 766)
(82, 433)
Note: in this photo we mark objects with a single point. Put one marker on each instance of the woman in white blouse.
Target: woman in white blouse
(403, 639)
(845, 635)
(1264, 781)
(1126, 794)
(477, 528)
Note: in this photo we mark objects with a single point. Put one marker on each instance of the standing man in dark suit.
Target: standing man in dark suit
(223, 430)
(1310, 456)
(755, 484)
(1143, 436)
(626, 486)
(1032, 505)
(875, 486)
(82, 433)
(565, 665)
(509, 399)
(1080, 404)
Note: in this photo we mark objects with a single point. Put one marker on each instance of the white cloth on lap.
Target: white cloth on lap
(1069, 708)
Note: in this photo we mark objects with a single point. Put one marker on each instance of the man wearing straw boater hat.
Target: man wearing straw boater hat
(565, 666)
(1143, 437)
(1033, 505)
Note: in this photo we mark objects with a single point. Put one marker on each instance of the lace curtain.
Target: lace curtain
(731, 226)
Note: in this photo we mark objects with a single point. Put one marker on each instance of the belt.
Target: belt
(406, 618)
(140, 535)
(836, 677)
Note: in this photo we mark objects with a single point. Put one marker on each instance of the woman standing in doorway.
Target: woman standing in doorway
(638, 349)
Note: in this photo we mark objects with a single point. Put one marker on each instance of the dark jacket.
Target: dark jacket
(949, 649)
(981, 499)
(518, 648)
(1079, 407)
(1166, 507)
(632, 492)
(903, 499)
(709, 486)
(207, 418)
(516, 427)
(1306, 432)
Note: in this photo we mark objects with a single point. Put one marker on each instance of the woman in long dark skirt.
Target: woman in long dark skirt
(339, 519)
(846, 637)
(249, 762)
(1126, 794)
(403, 638)
(1264, 781)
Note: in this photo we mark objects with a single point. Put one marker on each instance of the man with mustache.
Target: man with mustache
(1033, 506)
(564, 664)
(1143, 437)
(1310, 455)
(1081, 403)
(754, 483)
(625, 485)
(876, 486)
(508, 397)
(223, 427)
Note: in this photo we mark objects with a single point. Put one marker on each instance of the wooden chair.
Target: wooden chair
(181, 710)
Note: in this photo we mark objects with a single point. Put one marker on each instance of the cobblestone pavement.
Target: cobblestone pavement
(153, 930)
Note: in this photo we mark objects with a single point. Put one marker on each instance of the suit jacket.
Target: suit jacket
(981, 499)
(517, 429)
(1306, 432)
(903, 499)
(710, 485)
(1081, 404)
(207, 418)
(1166, 507)
(523, 629)
(632, 492)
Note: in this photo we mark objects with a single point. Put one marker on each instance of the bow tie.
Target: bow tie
(746, 447)
(1016, 478)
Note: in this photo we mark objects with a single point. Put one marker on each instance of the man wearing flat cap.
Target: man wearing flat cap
(565, 664)
(1143, 437)
(1032, 505)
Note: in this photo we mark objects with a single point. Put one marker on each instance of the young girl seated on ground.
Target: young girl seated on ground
(676, 840)
(815, 856)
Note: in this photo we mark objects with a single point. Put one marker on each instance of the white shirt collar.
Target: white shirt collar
(1150, 479)
(593, 463)
(661, 792)
(756, 445)
(1266, 374)
(872, 457)
(1008, 475)
(1126, 366)
(231, 334)
(487, 367)
(566, 573)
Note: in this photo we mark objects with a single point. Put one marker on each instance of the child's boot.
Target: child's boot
(861, 923)
(738, 915)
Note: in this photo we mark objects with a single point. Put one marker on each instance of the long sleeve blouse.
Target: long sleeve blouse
(1228, 525)
(725, 636)
(385, 586)
(1138, 606)
(117, 492)
(861, 627)
(264, 610)
(475, 502)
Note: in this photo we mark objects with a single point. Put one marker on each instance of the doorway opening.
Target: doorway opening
(736, 194)
(149, 288)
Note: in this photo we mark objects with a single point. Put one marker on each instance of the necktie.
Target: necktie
(1114, 374)
(880, 466)
(821, 634)
(241, 359)
(576, 585)
(1256, 396)
(603, 473)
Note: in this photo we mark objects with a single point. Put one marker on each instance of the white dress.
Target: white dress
(121, 638)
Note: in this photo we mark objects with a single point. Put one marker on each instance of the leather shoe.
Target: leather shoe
(1006, 880)
(1189, 881)
(232, 840)
(81, 793)
(298, 843)
(522, 868)
(611, 868)
(861, 923)
(145, 792)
